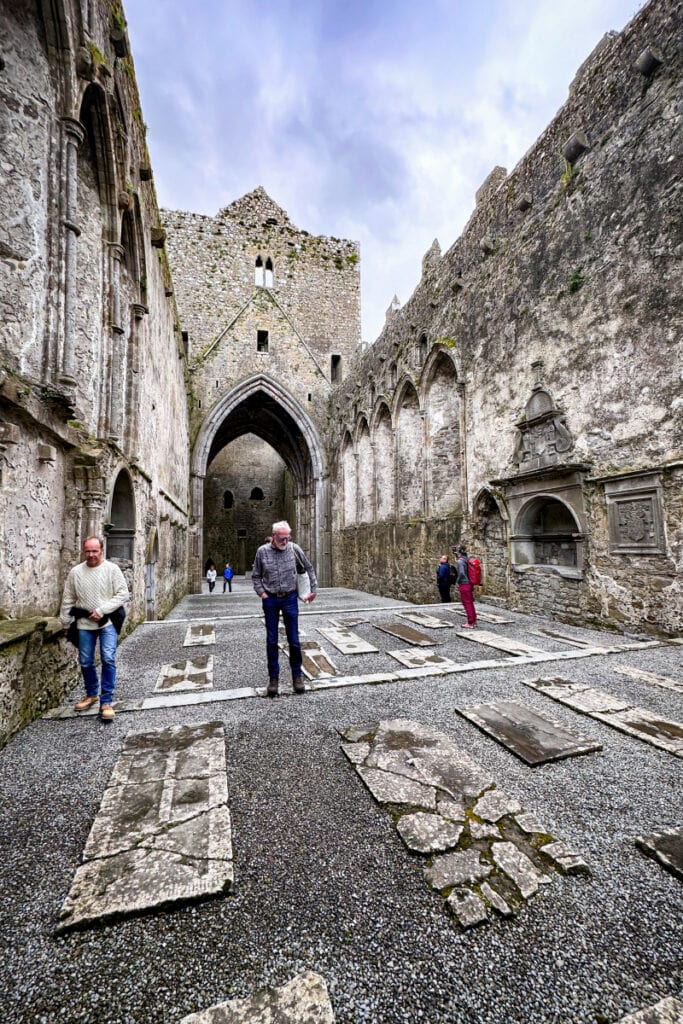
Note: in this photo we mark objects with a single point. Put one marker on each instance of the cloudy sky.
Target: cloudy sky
(374, 120)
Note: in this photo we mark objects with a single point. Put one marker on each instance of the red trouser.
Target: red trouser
(467, 598)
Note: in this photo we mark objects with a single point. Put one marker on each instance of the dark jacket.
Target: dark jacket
(461, 567)
(116, 618)
(443, 575)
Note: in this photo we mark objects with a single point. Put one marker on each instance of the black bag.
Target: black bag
(453, 577)
(116, 618)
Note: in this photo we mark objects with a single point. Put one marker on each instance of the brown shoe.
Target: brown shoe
(86, 703)
(272, 688)
(106, 712)
(298, 685)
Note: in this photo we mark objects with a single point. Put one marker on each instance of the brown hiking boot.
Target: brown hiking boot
(298, 685)
(86, 703)
(272, 688)
(106, 712)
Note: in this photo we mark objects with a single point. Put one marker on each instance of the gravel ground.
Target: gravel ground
(322, 880)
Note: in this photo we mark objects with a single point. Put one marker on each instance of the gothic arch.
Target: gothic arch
(546, 532)
(383, 439)
(489, 540)
(94, 116)
(260, 405)
(410, 451)
(439, 352)
(349, 480)
(121, 518)
(365, 472)
(441, 398)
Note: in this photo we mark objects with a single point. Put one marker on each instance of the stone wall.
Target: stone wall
(559, 310)
(93, 403)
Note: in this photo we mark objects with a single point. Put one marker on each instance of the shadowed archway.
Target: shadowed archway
(260, 406)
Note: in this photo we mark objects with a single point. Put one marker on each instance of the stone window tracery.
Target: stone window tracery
(259, 273)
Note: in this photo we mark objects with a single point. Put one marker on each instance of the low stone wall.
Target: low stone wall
(37, 667)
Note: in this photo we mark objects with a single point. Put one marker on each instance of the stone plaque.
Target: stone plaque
(347, 642)
(303, 1000)
(666, 847)
(348, 622)
(201, 634)
(419, 659)
(573, 641)
(316, 662)
(634, 511)
(407, 633)
(162, 833)
(426, 621)
(532, 736)
(501, 643)
(650, 677)
(186, 675)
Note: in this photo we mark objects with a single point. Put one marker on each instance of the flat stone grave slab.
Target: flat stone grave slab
(427, 621)
(604, 707)
(565, 638)
(345, 641)
(162, 834)
(303, 1000)
(650, 677)
(666, 1011)
(501, 643)
(201, 634)
(534, 737)
(421, 659)
(186, 676)
(484, 616)
(479, 850)
(348, 621)
(407, 633)
(666, 847)
(316, 663)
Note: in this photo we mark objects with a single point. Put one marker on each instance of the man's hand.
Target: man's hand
(95, 615)
(264, 596)
(309, 598)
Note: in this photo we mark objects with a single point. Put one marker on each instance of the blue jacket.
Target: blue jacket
(443, 574)
(228, 574)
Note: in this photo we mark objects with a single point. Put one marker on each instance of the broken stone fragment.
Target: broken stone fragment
(484, 831)
(467, 908)
(495, 900)
(564, 858)
(428, 833)
(456, 869)
(303, 999)
(530, 824)
(495, 804)
(356, 752)
(388, 788)
(454, 810)
(518, 867)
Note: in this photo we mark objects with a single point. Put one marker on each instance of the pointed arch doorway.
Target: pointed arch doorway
(259, 411)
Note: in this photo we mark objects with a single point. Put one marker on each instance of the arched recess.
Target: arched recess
(151, 559)
(488, 541)
(120, 528)
(383, 440)
(260, 405)
(349, 481)
(365, 473)
(546, 533)
(410, 452)
(444, 455)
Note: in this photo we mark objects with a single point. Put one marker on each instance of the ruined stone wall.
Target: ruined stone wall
(560, 309)
(93, 400)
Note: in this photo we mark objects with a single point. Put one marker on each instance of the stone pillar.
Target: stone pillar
(425, 465)
(196, 531)
(132, 412)
(373, 506)
(117, 345)
(74, 133)
(464, 490)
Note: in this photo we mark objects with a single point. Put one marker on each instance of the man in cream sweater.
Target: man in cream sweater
(95, 587)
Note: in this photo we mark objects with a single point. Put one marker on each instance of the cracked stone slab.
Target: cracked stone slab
(426, 621)
(666, 847)
(534, 737)
(415, 770)
(666, 1011)
(500, 643)
(316, 662)
(303, 1000)
(201, 634)
(162, 834)
(646, 725)
(403, 632)
(348, 621)
(347, 642)
(650, 677)
(186, 675)
(415, 658)
(566, 638)
(428, 833)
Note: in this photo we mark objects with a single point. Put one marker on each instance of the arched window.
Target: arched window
(256, 494)
(423, 348)
(259, 273)
(228, 499)
(270, 273)
(121, 532)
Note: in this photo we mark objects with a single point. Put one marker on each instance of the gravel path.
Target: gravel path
(322, 881)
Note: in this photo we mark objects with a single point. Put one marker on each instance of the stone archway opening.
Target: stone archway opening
(120, 529)
(258, 444)
(546, 534)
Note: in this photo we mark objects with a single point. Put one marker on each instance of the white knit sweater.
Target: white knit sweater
(100, 589)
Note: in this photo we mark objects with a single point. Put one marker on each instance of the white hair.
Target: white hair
(281, 527)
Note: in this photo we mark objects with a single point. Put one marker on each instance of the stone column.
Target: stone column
(464, 491)
(425, 466)
(74, 133)
(132, 411)
(373, 505)
(117, 345)
(196, 530)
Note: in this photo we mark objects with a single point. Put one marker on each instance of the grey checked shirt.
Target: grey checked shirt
(275, 570)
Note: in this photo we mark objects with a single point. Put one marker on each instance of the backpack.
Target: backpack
(474, 571)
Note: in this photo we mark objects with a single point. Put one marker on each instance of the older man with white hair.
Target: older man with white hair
(274, 577)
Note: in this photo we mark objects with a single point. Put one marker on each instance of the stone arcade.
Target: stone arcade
(176, 381)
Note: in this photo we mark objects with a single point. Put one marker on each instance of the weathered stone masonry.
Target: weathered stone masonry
(93, 407)
(528, 395)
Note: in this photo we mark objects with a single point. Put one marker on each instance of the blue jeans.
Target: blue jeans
(87, 642)
(272, 606)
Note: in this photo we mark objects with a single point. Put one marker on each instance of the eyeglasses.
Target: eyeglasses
(282, 536)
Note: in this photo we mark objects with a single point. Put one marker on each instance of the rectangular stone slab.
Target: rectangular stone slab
(484, 616)
(201, 634)
(407, 633)
(162, 834)
(650, 677)
(347, 642)
(421, 659)
(186, 675)
(427, 621)
(316, 663)
(573, 641)
(666, 847)
(352, 620)
(501, 643)
(647, 725)
(534, 737)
